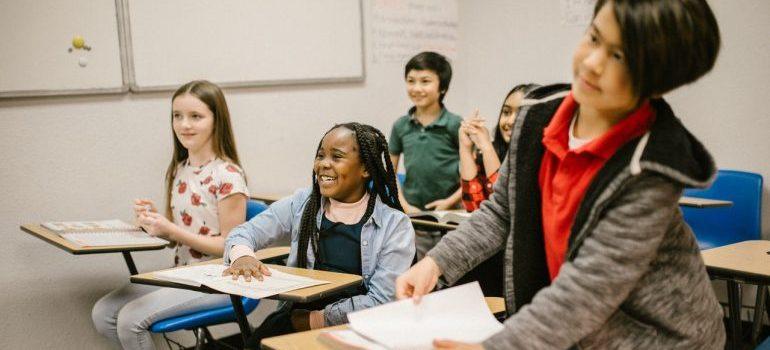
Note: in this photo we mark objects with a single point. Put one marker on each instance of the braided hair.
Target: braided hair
(373, 153)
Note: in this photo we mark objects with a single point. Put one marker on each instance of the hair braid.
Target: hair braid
(372, 151)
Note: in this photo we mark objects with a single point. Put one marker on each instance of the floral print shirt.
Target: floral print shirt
(197, 191)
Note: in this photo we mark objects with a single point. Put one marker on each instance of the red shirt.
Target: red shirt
(477, 189)
(565, 174)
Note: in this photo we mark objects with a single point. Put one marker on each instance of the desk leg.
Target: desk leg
(734, 297)
(759, 312)
(240, 315)
(130, 263)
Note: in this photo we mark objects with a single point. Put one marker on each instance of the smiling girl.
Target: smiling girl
(349, 221)
(205, 197)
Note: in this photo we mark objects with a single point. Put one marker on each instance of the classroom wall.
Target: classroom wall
(503, 44)
(88, 157)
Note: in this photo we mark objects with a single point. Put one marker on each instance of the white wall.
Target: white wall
(88, 157)
(504, 43)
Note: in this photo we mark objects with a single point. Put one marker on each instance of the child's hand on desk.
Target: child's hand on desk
(157, 225)
(418, 280)
(246, 266)
(451, 344)
(439, 204)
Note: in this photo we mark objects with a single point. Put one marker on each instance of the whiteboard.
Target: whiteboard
(243, 42)
(34, 55)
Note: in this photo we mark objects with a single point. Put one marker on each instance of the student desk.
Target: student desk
(703, 202)
(743, 262)
(56, 240)
(309, 339)
(428, 225)
(338, 281)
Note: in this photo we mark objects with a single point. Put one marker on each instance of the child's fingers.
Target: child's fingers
(264, 270)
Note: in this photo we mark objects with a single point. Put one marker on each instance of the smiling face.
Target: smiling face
(338, 168)
(193, 122)
(508, 114)
(422, 86)
(601, 77)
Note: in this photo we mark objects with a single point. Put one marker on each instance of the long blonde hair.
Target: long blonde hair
(223, 141)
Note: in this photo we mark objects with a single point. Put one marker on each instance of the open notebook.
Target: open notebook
(210, 275)
(102, 233)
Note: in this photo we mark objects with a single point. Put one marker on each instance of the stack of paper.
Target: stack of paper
(458, 313)
(210, 275)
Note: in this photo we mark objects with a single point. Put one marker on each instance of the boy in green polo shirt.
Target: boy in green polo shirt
(428, 138)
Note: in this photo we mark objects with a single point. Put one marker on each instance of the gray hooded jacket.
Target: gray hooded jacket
(633, 278)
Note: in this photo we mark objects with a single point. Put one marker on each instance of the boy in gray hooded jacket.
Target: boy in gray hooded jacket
(597, 255)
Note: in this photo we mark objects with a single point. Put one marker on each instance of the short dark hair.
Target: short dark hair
(666, 43)
(435, 62)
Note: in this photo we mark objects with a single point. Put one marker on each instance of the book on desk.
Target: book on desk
(210, 275)
(101, 233)
(442, 216)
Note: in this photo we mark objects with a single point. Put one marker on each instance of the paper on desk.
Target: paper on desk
(210, 275)
(459, 313)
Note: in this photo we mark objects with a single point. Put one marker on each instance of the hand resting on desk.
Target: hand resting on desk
(247, 266)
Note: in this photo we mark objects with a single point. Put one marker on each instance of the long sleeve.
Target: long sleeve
(590, 289)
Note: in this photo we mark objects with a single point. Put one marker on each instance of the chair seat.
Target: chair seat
(203, 318)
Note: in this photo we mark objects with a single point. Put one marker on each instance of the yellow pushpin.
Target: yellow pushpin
(79, 43)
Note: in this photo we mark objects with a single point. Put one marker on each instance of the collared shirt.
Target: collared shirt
(431, 156)
(387, 248)
(565, 174)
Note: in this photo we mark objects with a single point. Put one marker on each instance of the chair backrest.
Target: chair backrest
(401, 178)
(254, 207)
(715, 227)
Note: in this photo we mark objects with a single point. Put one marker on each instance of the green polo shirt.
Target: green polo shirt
(431, 156)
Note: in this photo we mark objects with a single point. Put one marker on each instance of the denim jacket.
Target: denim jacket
(387, 248)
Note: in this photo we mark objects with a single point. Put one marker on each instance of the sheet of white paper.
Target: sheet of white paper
(106, 225)
(211, 276)
(459, 313)
(110, 238)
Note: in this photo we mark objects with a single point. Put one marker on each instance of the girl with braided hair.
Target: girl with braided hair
(349, 221)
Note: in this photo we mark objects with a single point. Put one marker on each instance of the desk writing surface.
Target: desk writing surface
(703, 202)
(309, 339)
(747, 258)
(428, 225)
(56, 240)
(339, 281)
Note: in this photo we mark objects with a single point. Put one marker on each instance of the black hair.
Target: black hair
(436, 63)
(666, 43)
(499, 144)
(373, 152)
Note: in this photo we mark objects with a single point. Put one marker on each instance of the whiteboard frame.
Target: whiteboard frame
(95, 91)
(133, 87)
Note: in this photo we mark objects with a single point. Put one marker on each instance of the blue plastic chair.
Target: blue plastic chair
(198, 321)
(716, 227)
